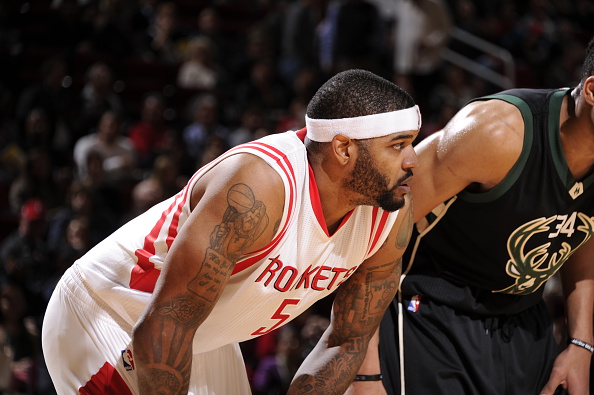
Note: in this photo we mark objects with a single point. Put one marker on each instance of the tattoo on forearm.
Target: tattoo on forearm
(361, 304)
(336, 374)
(183, 309)
(162, 379)
(214, 271)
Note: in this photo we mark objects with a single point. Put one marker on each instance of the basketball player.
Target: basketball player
(504, 199)
(254, 239)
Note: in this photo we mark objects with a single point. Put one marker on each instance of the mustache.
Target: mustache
(405, 177)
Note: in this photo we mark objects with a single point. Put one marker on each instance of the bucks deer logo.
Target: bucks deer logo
(533, 268)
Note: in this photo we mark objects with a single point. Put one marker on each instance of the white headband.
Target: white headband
(364, 127)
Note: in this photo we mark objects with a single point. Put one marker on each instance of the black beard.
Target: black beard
(367, 181)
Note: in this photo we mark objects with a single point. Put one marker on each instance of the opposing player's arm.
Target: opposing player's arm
(235, 208)
(477, 148)
(572, 367)
(357, 311)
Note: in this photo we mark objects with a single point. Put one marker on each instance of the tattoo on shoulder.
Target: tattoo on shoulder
(245, 220)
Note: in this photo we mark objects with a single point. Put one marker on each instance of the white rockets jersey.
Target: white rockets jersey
(268, 287)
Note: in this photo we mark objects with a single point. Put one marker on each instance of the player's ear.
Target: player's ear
(342, 148)
(588, 90)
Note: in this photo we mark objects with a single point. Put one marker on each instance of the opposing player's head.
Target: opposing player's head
(583, 94)
(370, 124)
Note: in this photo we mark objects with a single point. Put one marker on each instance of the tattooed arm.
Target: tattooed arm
(233, 207)
(357, 311)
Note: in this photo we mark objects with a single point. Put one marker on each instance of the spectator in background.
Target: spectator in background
(295, 117)
(149, 134)
(275, 371)
(209, 26)
(263, 88)
(167, 35)
(108, 28)
(24, 254)
(108, 193)
(298, 37)
(305, 84)
(455, 88)
(55, 99)
(97, 97)
(199, 70)
(253, 126)
(422, 32)
(214, 147)
(36, 131)
(73, 244)
(326, 37)
(35, 180)
(163, 181)
(204, 125)
(258, 46)
(117, 151)
(312, 330)
(81, 204)
(20, 343)
(360, 36)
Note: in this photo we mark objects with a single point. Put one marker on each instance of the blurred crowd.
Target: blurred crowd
(108, 106)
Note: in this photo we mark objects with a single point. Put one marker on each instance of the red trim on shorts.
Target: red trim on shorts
(106, 381)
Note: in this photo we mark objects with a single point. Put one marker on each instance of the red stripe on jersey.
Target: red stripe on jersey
(106, 381)
(316, 205)
(373, 219)
(301, 133)
(380, 229)
(282, 161)
(144, 275)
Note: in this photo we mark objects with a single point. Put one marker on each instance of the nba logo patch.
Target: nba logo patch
(413, 305)
(128, 360)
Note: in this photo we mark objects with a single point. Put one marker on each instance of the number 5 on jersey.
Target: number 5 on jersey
(278, 315)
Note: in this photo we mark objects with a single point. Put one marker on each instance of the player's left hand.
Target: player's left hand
(571, 371)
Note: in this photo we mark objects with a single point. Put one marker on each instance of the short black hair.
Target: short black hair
(588, 65)
(355, 93)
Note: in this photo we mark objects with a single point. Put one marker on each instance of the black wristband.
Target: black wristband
(581, 343)
(368, 377)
